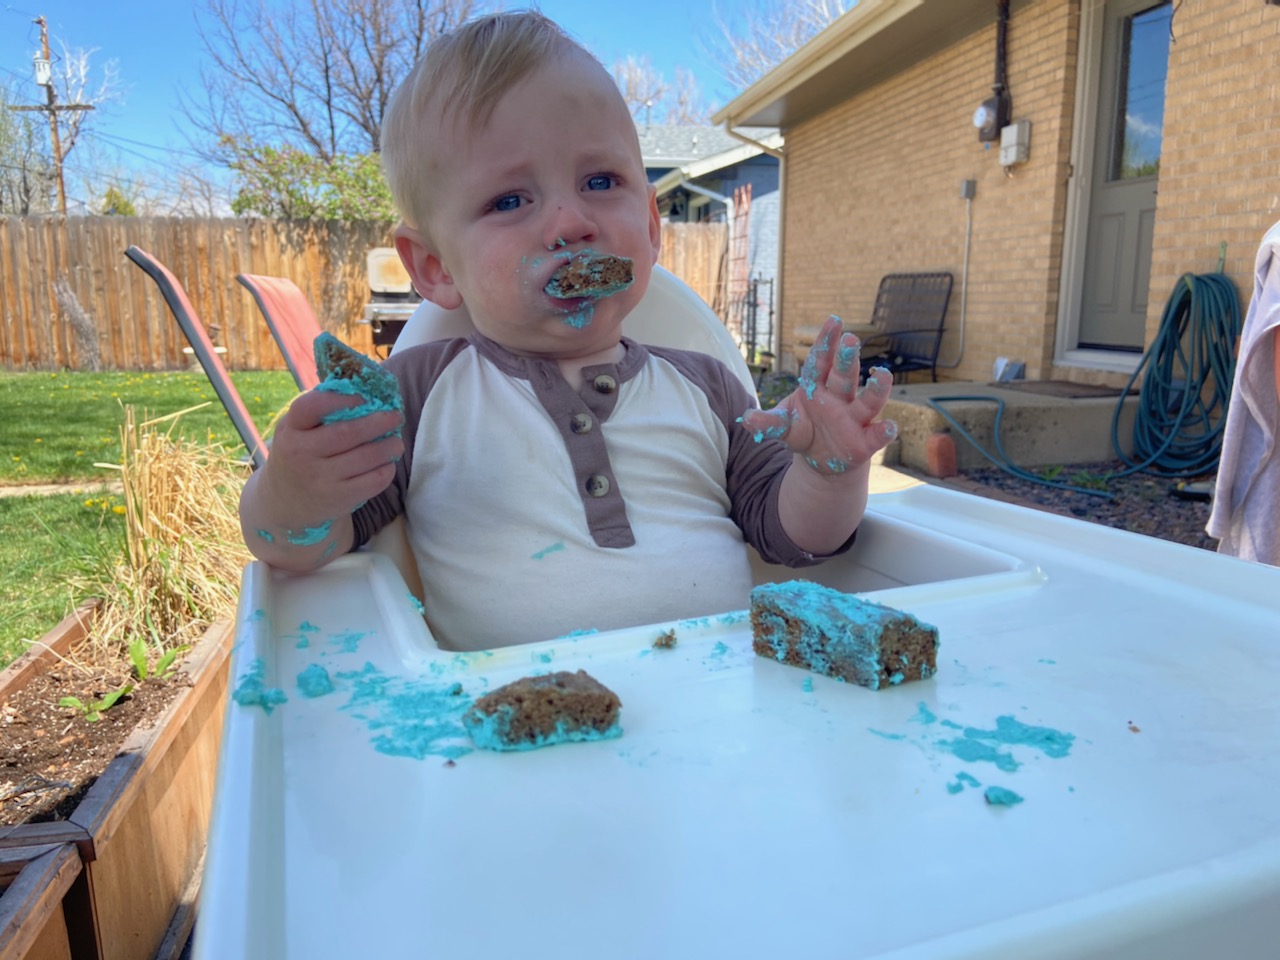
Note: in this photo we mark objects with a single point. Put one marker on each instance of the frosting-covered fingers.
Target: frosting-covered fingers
(820, 359)
(843, 378)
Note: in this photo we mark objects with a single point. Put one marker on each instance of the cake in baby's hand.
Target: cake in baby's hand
(837, 634)
(344, 370)
(541, 711)
(590, 274)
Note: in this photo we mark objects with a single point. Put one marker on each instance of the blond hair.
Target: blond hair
(461, 77)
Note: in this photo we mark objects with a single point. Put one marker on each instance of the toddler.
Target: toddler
(556, 476)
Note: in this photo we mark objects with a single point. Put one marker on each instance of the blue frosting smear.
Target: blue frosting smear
(251, 691)
(924, 715)
(309, 536)
(984, 746)
(1001, 797)
(409, 717)
(491, 731)
(314, 681)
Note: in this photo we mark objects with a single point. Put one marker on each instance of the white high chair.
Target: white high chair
(669, 314)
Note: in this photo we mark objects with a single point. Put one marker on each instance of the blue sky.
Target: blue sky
(158, 51)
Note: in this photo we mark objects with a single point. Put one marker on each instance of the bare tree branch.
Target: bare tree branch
(761, 34)
(314, 76)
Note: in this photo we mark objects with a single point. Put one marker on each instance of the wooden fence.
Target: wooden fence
(132, 325)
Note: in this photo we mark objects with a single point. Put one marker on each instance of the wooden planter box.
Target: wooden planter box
(114, 880)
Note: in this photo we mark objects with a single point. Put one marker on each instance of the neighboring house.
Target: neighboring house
(700, 173)
(1152, 130)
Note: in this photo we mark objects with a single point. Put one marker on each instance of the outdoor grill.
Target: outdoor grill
(392, 298)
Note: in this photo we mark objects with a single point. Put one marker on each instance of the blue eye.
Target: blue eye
(506, 203)
(601, 181)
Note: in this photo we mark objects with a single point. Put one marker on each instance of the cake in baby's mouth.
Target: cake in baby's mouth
(839, 635)
(343, 369)
(545, 710)
(590, 274)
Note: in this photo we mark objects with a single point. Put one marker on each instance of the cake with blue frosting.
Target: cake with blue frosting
(591, 274)
(541, 711)
(839, 635)
(343, 369)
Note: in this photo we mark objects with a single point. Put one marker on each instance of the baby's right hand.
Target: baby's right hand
(320, 471)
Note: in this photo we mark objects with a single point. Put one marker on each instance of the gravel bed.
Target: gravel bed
(1140, 502)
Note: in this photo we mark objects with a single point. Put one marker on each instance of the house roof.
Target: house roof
(867, 44)
(719, 161)
(673, 145)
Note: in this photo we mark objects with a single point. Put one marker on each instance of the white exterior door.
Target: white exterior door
(1121, 129)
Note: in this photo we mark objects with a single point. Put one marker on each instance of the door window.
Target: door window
(1144, 63)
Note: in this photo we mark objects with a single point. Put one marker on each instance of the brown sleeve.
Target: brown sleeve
(754, 470)
(417, 369)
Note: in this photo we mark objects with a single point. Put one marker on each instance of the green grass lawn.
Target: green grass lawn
(57, 425)
(54, 428)
(47, 544)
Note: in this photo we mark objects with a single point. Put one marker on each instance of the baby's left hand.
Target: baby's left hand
(827, 420)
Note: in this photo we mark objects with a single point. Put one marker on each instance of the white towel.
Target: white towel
(1246, 504)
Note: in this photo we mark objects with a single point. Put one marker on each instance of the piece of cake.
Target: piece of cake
(541, 711)
(590, 274)
(345, 370)
(839, 635)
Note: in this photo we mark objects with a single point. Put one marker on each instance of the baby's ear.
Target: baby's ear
(430, 278)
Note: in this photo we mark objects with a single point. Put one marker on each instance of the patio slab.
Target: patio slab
(1036, 429)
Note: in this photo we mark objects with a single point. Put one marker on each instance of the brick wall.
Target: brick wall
(1220, 167)
(873, 186)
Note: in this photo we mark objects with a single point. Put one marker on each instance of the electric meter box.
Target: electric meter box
(1015, 143)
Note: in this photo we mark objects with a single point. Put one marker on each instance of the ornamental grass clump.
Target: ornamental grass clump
(183, 552)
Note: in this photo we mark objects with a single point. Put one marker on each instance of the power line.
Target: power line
(115, 138)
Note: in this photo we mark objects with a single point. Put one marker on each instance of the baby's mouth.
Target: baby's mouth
(589, 275)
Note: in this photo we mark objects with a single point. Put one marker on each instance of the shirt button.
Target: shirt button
(580, 423)
(604, 383)
(598, 485)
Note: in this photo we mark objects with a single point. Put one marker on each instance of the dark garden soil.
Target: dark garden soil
(50, 755)
(1140, 503)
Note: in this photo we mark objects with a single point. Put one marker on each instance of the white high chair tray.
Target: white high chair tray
(753, 810)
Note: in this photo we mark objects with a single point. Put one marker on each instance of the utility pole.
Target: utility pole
(44, 77)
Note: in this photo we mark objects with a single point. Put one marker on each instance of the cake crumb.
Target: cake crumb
(666, 640)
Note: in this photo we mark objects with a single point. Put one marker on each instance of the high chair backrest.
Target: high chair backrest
(291, 321)
(205, 352)
(669, 314)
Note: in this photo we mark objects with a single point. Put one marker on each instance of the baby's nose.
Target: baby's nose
(570, 224)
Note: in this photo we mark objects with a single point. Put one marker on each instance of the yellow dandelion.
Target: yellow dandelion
(119, 510)
(38, 440)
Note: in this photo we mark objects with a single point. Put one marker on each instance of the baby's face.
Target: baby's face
(554, 171)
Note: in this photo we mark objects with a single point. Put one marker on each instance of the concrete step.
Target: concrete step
(1036, 430)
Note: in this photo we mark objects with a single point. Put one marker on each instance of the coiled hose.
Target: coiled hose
(1182, 408)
